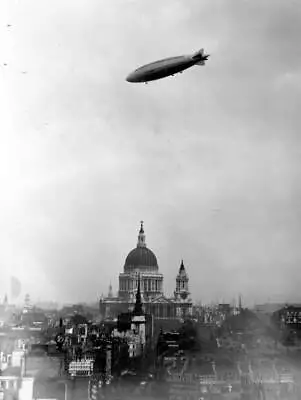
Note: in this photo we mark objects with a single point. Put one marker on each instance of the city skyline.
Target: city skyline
(208, 159)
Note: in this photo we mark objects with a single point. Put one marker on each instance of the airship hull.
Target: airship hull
(161, 69)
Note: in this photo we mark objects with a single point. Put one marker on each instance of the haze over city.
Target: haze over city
(208, 159)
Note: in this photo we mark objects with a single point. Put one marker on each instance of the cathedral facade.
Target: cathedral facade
(141, 270)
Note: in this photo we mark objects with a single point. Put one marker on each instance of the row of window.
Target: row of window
(147, 285)
(9, 384)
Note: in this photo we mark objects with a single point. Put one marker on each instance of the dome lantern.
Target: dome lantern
(141, 257)
(141, 237)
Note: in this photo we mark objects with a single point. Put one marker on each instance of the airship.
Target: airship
(166, 67)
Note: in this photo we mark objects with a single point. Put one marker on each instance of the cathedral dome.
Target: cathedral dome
(141, 258)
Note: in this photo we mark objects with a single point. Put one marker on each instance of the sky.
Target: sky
(208, 159)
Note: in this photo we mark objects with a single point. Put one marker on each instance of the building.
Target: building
(133, 326)
(141, 267)
(288, 320)
(268, 308)
(6, 312)
(13, 381)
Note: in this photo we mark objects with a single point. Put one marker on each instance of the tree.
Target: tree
(188, 336)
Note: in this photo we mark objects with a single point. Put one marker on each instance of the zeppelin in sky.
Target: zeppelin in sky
(168, 66)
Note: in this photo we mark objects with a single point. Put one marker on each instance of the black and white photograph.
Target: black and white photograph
(150, 203)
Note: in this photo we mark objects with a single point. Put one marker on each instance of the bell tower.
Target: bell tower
(182, 280)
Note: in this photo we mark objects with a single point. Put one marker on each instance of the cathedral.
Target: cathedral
(141, 270)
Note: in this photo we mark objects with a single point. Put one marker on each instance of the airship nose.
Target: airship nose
(132, 77)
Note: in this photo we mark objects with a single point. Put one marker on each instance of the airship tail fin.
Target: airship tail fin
(198, 54)
(200, 57)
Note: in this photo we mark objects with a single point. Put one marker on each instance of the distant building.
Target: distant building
(215, 315)
(47, 305)
(141, 265)
(34, 318)
(27, 304)
(268, 308)
(289, 316)
(6, 312)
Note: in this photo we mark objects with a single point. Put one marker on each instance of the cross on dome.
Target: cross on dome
(141, 227)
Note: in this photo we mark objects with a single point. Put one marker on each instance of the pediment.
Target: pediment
(161, 300)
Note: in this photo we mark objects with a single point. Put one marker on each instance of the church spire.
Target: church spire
(182, 268)
(110, 294)
(138, 305)
(141, 237)
(239, 302)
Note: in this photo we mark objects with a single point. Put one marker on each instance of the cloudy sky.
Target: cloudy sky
(209, 159)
